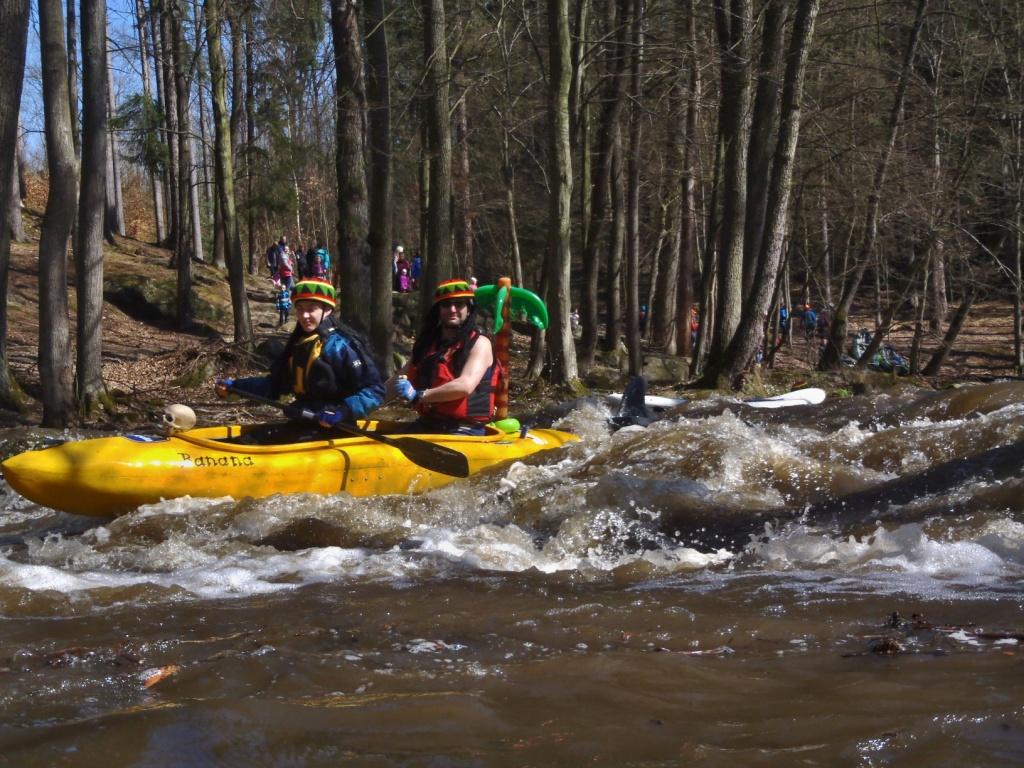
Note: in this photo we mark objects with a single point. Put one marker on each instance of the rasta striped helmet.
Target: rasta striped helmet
(315, 290)
(453, 289)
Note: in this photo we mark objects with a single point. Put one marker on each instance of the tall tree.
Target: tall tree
(156, 183)
(91, 207)
(440, 264)
(464, 215)
(13, 42)
(174, 38)
(350, 162)
(72, 58)
(55, 374)
(560, 341)
(250, 138)
(733, 31)
(114, 216)
(837, 337)
(379, 93)
(224, 174)
(666, 290)
(763, 131)
(633, 194)
(14, 218)
(163, 54)
(755, 310)
(688, 204)
(612, 100)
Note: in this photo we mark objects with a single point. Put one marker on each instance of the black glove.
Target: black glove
(298, 413)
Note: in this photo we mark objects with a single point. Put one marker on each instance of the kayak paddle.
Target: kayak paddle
(436, 458)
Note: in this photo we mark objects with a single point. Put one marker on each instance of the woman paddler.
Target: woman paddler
(452, 376)
(325, 365)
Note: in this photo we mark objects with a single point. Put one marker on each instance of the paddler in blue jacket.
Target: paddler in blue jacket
(325, 365)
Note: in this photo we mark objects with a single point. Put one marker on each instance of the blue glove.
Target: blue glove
(405, 390)
(221, 386)
(332, 417)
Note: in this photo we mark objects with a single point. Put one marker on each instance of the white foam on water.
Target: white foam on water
(512, 549)
(905, 558)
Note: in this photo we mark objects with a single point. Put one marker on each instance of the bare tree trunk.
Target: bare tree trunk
(72, 58)
(508, 171)
(733, 30)
(168, 104)
(186, 210)
(203, 164)
(611, 109)
(1018, 315)
(937, 360)
(189, 172)
(424, 205)
(915, 345)
(224, 173)
(762, 133)
(633, 195)
(14, 16)
(250, 139)
(755, 311)
(220, 246)
(709, 268)
(91, 207)
(379, 93)
(354, 260)
(55, 373)
(688, 223)
(830, 358)
(195, 209)
(580, 125)
(937, 304)
(662, 305)
(438, 263)
(15, 225)
(115, 197)
(616, 240)
(236, 122)
(238, 77)
(464, 223)
(559, 337)
(937, 275)
(157, 185)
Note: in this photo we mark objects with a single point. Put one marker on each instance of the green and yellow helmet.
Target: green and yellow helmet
(315, 290)
(453, 289)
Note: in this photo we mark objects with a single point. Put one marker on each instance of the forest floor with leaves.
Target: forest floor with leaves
(148, 364)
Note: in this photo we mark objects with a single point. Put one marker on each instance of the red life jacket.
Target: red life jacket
(478, 406)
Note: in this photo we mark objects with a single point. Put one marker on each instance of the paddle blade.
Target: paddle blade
(436, 458)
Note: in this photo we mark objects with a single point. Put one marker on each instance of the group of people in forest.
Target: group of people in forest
(812, 322)
(285, 265)
(405, 274)
(450, 380)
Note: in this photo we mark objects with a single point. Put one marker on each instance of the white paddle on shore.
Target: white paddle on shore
(806, 396)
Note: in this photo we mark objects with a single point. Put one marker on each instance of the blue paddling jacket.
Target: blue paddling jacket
(327, 369)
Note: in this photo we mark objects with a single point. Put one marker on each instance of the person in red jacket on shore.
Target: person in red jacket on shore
(452, 376)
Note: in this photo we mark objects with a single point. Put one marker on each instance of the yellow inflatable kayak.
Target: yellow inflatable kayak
(109, 476)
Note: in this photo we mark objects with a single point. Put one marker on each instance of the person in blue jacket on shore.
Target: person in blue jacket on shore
(325, 365)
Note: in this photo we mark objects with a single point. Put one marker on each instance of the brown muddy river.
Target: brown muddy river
(827, 585)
